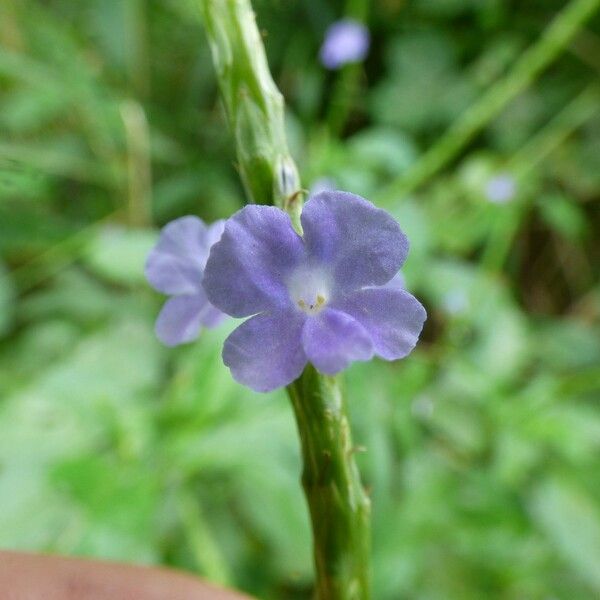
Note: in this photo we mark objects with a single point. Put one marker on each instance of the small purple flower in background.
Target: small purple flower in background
(329, 297)
(501, 188)
(175, 267)
(346, 41)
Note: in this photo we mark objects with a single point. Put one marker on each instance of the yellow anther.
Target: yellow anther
(313, 307)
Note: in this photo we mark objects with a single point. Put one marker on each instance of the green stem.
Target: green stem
(139, 175)
(347, 85)
(345, 91)
(584, 106)
(254, 105)
(203, 545)
(339, 507)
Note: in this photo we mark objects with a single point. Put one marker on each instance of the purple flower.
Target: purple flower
(321, 297)
(346, 41)
(501, 188)
(175, 267)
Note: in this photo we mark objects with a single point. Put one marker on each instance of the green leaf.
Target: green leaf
(564, 216)
(119, 254)
(571, 520)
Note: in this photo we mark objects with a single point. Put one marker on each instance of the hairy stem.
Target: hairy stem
(254, 105)
(339, 507)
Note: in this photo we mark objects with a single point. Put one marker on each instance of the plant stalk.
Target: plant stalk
(338, 505)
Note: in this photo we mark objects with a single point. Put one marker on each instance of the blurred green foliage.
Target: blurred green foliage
(483, 447)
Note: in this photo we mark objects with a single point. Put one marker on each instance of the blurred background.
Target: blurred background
(483, 447)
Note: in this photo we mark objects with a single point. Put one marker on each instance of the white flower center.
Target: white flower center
(309, 289)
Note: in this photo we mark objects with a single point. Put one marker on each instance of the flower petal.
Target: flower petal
(361, 243)
(181, 318)
(265, 352)
(214, 233)
(397, 282)
(248, 267)
(393, 317)
(333, 339)
(175, 264)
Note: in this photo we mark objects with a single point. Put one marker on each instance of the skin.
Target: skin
(32, 577)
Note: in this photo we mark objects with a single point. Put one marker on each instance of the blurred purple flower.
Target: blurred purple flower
(501, 188)
(321, 298)
(346, 41)
(175, 266)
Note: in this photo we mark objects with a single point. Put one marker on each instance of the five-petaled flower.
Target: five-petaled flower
(175, 267)
(346, 41)
(329, 296)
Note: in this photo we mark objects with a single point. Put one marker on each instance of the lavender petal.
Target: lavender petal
(393, 317)
(174, 266)
(397, 282)
(333, 339)
(213, 234)
(247, 269)
(182, 317)
(265, 352)
(362, 244)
